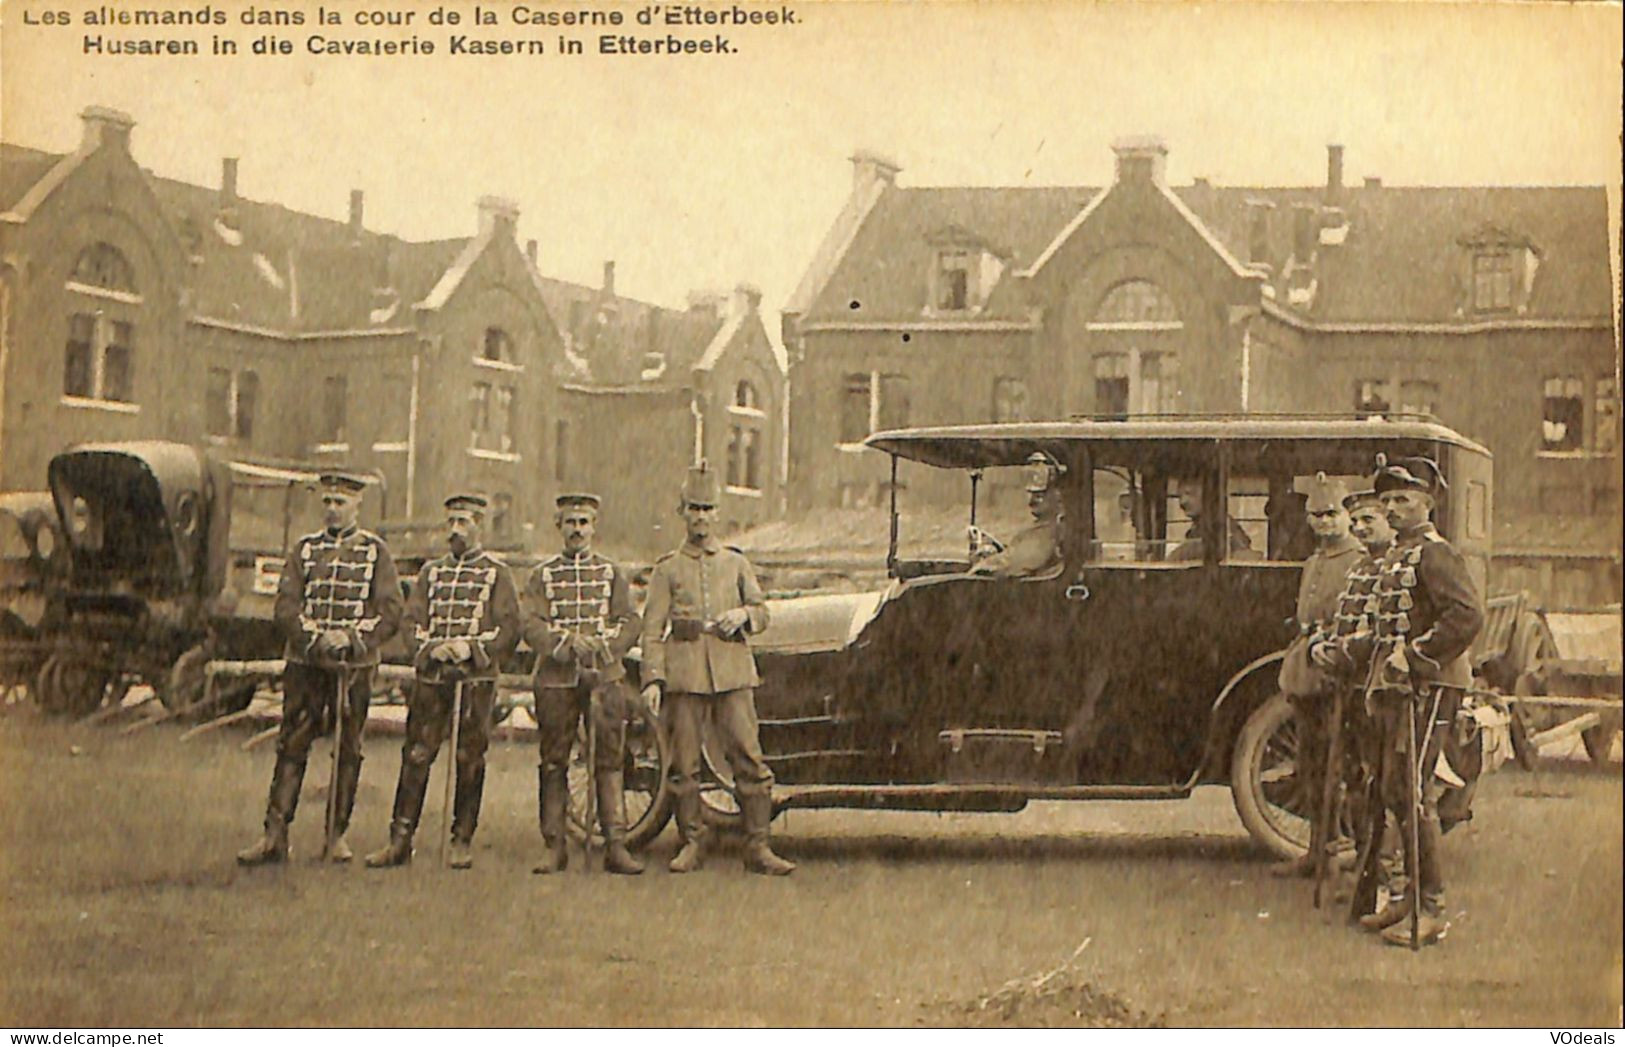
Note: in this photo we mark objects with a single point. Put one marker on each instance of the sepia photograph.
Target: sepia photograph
(824, 514)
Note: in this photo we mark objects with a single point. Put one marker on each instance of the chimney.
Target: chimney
(355, 213)
(1201, 183)
(1303, 232)
(746, 299)
(1373, 182)
(1334, 174)
(1141, 158)
(705, 302)
(498, 216)
(609, 279)
(1258, 231)
(869, 168)
(530, 252)
(228, 181)
(104, 126)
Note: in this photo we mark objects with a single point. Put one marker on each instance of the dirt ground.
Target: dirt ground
(122, 906)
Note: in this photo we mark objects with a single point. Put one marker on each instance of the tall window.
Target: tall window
(561, 450)
(1563, 416)
(491, 422)
(1493, 279)
(335, 411)
(1009, 400)
(1136, 383)
(99, 358)
(1371, 397)
(745, 424)
(855, 395)
(871, 402)
(230, 403)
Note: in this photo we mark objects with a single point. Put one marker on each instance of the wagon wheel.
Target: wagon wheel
(1273, 802)
(183, 689)
(1537, 646)
(647, 796)
(65, 686)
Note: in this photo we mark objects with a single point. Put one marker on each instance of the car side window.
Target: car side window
(1143, 518)
(1268, 520)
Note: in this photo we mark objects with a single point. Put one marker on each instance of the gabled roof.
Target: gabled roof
(1393, 254)
(886, 272)
(621, 342)
(21, 168)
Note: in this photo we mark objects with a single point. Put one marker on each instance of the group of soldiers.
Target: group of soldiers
(339, 601)
(1387, 612)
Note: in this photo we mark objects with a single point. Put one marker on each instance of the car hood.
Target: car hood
(824, 622)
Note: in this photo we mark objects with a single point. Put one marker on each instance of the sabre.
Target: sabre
(451, 773)
(590, 813)
(1413, 788)
(1325, 826)
(341, 696)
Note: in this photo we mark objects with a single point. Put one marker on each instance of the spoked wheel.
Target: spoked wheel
(183, 691)
(1270, 796)
(643, 768)
(66, 686)
(719, 801)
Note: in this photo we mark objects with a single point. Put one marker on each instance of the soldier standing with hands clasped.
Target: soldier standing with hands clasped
(703, 602)
(337, 602)
(580, 622)
(1428, 613)
(465, 615)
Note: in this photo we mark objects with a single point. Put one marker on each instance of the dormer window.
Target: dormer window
(953, 281)
(1499, 271)
(964, 271)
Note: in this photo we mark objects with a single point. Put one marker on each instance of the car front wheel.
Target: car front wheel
(1269, 795)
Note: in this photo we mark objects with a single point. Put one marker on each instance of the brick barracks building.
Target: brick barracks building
(1488, 307)
(134, 307)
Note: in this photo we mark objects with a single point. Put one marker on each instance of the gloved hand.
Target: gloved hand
(333, 642)
(650, 697)
(461, 650)
(1321, 654)
(581, 647)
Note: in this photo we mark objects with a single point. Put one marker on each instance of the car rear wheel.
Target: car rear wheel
(1269, 796)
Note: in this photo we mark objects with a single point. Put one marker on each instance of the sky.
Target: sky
(703, 171)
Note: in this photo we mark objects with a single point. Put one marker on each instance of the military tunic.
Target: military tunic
(343, 581)
(1033, 550)
(1427, 607)
(584, 595)
(469, 598)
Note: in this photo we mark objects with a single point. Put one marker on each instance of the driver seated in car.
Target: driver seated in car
(1035, 549)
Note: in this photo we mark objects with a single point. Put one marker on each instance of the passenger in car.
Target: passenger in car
(1194, 544)
(1036, 549)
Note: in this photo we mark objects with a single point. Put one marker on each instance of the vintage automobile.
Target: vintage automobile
(29, 566)
(1141, 664)
(172, 558)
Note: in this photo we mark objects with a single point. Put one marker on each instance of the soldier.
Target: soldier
(703, 602)
(1035, 549)
(465, 617)
(1428, 613)
(1306, 686)
(580, 622)
(338, 601)
(1343, 649)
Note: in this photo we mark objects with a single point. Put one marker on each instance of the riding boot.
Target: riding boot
(757, 809)
(612, 817)
(397, 852)
(466, 805)
(279, 807)
(691, 829)
(552, 793)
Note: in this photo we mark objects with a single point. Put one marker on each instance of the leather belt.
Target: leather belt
(687, 630)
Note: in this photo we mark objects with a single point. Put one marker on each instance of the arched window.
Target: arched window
(101, 265)
(1136, 302)
(745, 397)
(747, 420)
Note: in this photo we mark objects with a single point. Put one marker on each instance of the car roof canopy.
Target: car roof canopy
(985, 446)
